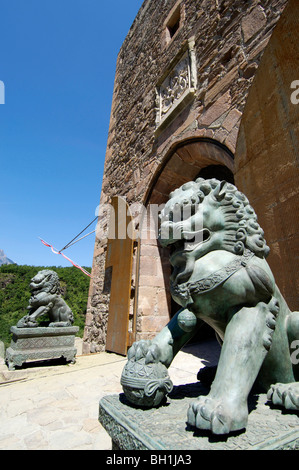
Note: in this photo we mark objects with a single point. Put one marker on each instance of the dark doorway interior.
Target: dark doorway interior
(220, 172)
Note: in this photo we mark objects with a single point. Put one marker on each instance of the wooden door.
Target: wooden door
(119, 272)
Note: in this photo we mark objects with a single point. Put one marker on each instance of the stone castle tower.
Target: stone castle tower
(202, 88)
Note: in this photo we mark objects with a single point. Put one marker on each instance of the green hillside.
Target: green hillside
(15, 294)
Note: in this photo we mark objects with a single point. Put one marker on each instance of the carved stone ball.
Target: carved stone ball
(145, 384)
(187, 321)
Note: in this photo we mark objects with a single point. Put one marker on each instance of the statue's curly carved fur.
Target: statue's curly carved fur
(46, 300)
(221, 277)
(238, 218)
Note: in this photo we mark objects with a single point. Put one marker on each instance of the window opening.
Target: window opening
(174, 22)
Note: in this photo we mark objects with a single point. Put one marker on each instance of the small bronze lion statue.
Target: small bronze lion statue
(221, 277)
(46, 300)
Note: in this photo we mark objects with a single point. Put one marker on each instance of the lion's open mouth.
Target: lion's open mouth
(193, 239)
(190, 240)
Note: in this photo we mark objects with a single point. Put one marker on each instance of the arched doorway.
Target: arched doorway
(187, 161)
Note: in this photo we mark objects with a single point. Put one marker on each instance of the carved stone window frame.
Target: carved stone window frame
(177, 86)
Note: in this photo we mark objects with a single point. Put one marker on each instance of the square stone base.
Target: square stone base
(36, 344)
(165, 428)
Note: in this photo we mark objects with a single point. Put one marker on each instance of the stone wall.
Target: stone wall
(224, 41)
(267, 154)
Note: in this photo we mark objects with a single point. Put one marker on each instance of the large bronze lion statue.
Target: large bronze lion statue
(221, 277)
(46, 300)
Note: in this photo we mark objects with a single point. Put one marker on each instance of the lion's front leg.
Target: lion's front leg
(29, 320)
(164, 347)
(40, 311)
(246, 343)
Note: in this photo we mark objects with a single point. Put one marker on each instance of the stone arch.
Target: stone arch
(182, 163)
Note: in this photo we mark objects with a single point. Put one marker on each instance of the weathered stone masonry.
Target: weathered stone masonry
(182, 80)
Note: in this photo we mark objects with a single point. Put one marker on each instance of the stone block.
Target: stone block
(153, 324)
(231, 139)
(146, 300)
(41, 343)
(253, 23)
(231, 119)
(152, 281)
(220, 85)
(148, 266)
(164, 428)
(163, 298)
(151, 251)
(220, 107)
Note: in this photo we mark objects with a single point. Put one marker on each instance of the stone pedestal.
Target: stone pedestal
(165, 428)
(36, 344)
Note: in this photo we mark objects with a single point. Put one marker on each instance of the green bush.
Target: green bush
(15, 294)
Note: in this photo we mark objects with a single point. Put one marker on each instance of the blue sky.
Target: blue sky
(57, 62)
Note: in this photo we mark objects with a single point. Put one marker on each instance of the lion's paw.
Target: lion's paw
(27, 322)
(215, 415)
(273, 311)
(144, 349)
(286, 395)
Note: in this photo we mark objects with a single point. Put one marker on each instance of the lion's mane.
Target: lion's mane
(241, 227)
(49, 284)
